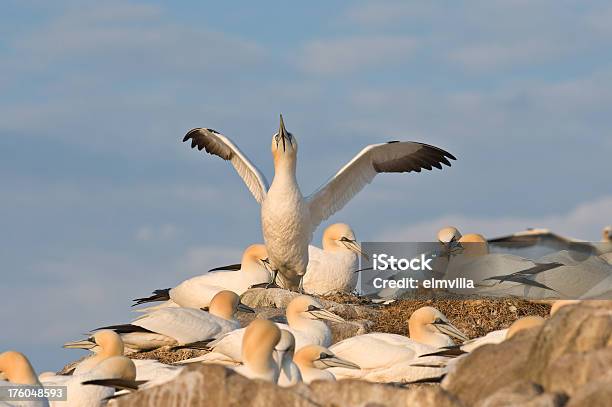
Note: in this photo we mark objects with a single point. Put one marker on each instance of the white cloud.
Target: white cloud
(141, 38)
(164, 232)
(585, 222)
(485, 57)
(352, 54)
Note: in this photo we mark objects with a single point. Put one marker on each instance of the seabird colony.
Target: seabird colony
(200, 312)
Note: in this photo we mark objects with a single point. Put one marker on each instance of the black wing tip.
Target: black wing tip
(191, 133)
(158, 295)
(230, 267)
(125, 328)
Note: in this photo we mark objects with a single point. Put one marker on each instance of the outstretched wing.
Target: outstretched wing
(394, 156)
(216, 143)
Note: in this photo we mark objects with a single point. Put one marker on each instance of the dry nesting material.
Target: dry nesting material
(168, 356)
(475, 317)
(346, 298)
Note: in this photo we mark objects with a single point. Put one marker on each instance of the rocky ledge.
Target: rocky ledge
(566, 362)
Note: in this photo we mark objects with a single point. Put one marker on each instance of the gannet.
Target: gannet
(283, 352)
(197, 292)
(305, 317)
(16, 369)
(91, 388)
(449, 238)
(525, 277)
(560, 304)
(288, 218)
(106, 343)
(332, 269)
(179, 326)
(555, 242)
(314, 360)
(493, 337)
(385, 357)
(258, 343)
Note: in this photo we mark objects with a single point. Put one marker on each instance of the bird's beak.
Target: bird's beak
(84, 344)
(334, 361)
(266, 263)
(282, 131)
(451, 330)
(245, 308)
(325, 314)
(451, 248)
(352, 245)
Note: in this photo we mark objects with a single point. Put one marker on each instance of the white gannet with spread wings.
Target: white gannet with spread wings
(288, 218)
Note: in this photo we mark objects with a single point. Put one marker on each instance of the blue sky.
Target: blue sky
(101, 202)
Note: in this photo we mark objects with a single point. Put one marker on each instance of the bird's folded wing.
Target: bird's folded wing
(376, 158)
(185, 325)
(216, 143)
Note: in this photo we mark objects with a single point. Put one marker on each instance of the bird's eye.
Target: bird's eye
(276, 138)
(313, 308)
(438, 321)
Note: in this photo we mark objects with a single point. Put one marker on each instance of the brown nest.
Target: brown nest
(475, 317)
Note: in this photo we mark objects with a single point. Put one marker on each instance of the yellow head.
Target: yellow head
(428, 325)
(523, 324)
(254, 255)
(284, 146)
(448, 234)
(474, 245)
(16, 368)
(258, 343)
(560, 304)
(340, 236)
(305, 307)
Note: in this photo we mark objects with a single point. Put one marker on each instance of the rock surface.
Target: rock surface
(216, 386)
(570, 357)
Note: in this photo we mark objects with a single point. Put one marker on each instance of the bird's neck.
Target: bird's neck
(426, 337)
(284, 170)
(261, 362)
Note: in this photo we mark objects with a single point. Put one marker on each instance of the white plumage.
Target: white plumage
(288, 218)
(384, 357)
(182, 326)
(289, 373)
(86, 395)
(304, 315)
(197, 292)
(332, 269)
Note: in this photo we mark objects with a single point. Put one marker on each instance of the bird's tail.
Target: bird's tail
(158, 295)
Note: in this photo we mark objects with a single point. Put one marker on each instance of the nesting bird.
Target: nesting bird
(288, 218)
(305, 317)
(177, 326)
(104, 343)
(16, 369)
(197, 292)
(388, 357)
(258, 344)
(332, 269)
(284, 352)
(314, 360)
(92, 388)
